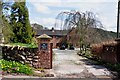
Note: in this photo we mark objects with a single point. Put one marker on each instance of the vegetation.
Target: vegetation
(15, 67)
(0, 16)
(7, 30)
(1, 24)
(24, 45)
(5, 26)
(15, 22)
(19, 20)
(105, 35)
(86, 53)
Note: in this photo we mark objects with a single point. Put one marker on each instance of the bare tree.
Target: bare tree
(82, 21)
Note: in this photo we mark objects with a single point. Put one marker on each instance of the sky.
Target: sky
(44, 12)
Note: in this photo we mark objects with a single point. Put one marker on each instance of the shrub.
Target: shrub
(86, 53)
(15, 67)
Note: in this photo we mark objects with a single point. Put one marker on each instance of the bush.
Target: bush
(86, 53)
(15, 67)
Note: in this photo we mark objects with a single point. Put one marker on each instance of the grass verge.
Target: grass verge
(24, 45)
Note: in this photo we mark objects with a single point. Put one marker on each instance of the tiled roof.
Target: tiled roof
(51, 33)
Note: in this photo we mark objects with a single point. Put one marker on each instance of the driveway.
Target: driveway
(67, 64)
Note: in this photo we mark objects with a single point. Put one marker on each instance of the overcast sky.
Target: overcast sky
(44, 12)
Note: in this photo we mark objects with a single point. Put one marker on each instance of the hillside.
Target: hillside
(100, 35)
(106, 35)
(36, 26)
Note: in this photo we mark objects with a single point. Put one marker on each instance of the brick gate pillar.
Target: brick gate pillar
(45, 52)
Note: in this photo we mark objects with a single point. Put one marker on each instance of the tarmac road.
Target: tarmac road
(67, 64)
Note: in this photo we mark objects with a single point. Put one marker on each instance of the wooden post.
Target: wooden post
(51, 45)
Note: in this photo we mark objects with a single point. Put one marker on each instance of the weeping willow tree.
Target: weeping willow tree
(83, 22)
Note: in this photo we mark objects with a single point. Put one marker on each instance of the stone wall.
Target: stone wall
(31, 56)
(21, 54)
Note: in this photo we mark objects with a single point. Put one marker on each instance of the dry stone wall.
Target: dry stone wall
(21, 54)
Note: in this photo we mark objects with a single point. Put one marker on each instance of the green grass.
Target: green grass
(24, 45)
(15, 67)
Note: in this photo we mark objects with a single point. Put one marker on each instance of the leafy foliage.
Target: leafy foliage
(7, 31)
(5, 28)
(86, 53)
(1, 25)
(19, 21)
(15, 67)
(16, 23)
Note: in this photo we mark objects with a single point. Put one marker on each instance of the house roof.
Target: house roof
(51, 33)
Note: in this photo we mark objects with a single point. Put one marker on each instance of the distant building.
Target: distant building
(57, 35)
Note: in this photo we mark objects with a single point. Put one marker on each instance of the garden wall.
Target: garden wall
(107, 51)
(21, 54)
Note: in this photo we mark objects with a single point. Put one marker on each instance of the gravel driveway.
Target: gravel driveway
(68, 64)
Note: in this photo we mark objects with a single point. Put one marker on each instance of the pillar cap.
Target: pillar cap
(44, 36)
